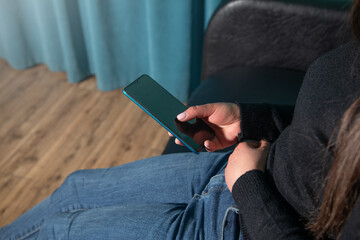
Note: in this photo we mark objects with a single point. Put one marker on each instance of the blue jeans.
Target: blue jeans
(178, 196)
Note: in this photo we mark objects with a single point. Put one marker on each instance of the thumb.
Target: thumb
(264, 144)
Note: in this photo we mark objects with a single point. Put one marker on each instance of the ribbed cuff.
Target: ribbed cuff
(251, 189)
(256, 122)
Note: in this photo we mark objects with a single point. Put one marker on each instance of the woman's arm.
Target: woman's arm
(232, 122)
(264, 213)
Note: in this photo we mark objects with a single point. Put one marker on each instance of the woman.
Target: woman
(340, 206)
(295, 164)
(186, 196)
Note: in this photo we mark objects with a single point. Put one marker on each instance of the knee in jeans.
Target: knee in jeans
(72, 194)
(75, 180)
(77, 176)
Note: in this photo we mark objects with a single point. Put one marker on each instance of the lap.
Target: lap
(128, 221)
(171, 178)
(189, 187)
(201, 218)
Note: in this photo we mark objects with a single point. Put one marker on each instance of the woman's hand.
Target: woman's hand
(223, 118)
(247, 156)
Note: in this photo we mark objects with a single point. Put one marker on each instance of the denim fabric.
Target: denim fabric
(179, 196)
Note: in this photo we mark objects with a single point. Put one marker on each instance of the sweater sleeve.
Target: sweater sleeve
(264, 214)
(352, 226)
(264, 121)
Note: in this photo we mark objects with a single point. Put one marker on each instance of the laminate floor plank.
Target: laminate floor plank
(18, 123)
(45, 133)
(50, 128)
(18, 195)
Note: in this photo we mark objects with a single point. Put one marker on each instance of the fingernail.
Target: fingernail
(181, 116)
(207, 146)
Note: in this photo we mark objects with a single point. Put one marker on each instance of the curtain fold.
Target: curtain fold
(117, 40)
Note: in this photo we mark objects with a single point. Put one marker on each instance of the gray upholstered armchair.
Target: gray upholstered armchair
(259, 51)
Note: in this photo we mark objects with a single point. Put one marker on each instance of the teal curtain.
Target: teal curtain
(117, 40)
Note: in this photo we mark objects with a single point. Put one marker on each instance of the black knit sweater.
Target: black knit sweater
(277, 204)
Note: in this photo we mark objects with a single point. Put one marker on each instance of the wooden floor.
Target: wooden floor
(50, 128)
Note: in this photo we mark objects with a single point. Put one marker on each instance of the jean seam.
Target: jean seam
(205, 194)
(74, 208)
(207, 190)
(28, 233)
(231, 208)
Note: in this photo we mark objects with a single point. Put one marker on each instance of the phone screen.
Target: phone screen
(164, 107)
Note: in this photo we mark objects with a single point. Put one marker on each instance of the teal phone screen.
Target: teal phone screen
(164, 107)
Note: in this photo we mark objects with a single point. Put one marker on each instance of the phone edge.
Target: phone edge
(158, 121)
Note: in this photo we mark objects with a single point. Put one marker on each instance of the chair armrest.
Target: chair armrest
(271, 34)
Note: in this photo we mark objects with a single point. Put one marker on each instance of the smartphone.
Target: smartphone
(164, 107)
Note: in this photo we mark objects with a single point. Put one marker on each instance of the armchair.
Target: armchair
(259, 51)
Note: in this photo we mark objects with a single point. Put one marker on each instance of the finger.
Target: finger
(264, 144)
(213, 145)
(177, 141)
(207, 145)
(170, 134)
(201, 111)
